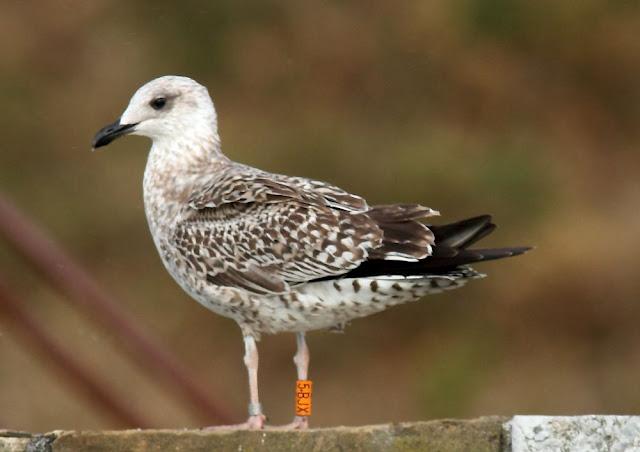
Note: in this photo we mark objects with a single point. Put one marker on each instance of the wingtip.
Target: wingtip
(485, 218)
(517, 250)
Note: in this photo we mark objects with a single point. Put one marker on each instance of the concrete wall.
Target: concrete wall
(520, 433)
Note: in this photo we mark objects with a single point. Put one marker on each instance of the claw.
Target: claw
(299, 423)
(255, 422)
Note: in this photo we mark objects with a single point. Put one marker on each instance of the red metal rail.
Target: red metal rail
(62, 272)
(34, 334)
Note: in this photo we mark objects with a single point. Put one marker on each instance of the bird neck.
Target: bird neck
(187, 147)
(174, 168)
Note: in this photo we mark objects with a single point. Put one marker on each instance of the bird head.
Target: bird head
(169, 106)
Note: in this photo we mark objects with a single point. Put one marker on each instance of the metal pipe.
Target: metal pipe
(34, 334)
(57, 267)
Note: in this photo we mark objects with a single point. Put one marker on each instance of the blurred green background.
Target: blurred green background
(528, 110)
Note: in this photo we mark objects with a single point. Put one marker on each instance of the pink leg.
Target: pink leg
(256, 418)
(301, 360)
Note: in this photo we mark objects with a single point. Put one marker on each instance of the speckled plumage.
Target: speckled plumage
(249, 245)
(278, 253)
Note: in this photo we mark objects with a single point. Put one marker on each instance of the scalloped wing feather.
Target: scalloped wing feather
(263, 232)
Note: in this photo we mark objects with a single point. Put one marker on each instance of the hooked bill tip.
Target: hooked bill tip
(109, 133)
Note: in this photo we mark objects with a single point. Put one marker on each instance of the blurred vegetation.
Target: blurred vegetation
(525, 109)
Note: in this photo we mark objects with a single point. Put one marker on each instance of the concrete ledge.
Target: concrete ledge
(580, 433)
(520, 433)
(484, 434)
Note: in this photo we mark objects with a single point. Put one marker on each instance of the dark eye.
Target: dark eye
(158, 103)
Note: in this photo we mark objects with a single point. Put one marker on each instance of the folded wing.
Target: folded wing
(264, 232)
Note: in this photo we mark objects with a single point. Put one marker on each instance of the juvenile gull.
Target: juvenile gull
(278, 253)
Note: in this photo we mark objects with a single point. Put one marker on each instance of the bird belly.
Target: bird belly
(312, 306)
(332, 304)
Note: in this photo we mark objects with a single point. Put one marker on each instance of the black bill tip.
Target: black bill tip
(109, 133)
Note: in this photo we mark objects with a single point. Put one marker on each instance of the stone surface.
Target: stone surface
(484, 434)
(14, 441)
(518, 434)
(569, 433)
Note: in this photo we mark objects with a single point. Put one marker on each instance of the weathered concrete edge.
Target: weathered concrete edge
(584, 433)
(482, 434)
(520, 433)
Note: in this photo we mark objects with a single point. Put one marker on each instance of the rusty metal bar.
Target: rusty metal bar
(53, 263)
(34, 334)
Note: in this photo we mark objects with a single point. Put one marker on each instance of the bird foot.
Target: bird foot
(299, 423)
(255, 422)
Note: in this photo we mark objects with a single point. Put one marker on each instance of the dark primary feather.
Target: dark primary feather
(449, 252)
(463, 233)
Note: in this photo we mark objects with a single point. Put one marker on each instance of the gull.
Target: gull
(278, 253)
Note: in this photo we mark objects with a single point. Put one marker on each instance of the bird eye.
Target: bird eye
(158, 103)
